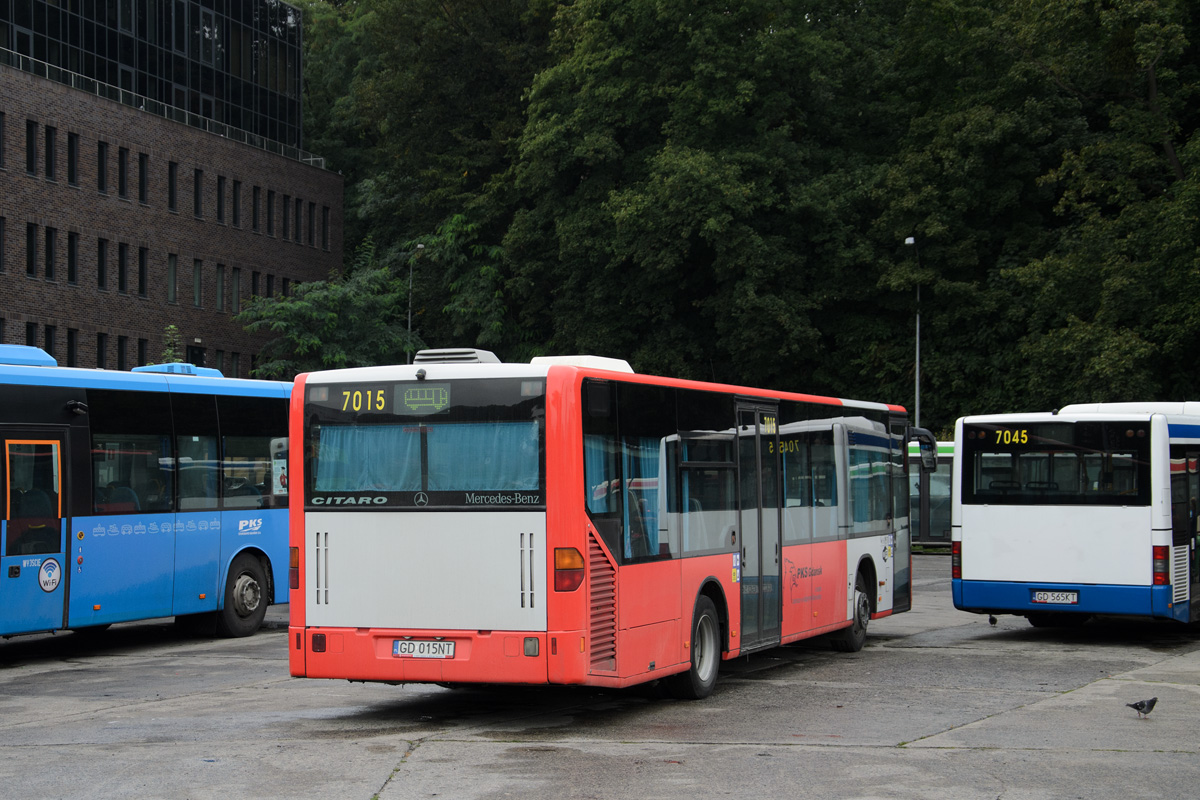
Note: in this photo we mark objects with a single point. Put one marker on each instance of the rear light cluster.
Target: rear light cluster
(568, 569)
(294, 568)
(956, 559)
(1162, 565)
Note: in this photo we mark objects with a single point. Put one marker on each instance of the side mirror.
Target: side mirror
(928, 447)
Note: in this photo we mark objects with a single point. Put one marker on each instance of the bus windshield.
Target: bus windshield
(417, 445)
(1056, 463)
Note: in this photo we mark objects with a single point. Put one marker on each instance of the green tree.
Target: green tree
(353, 320)
(172, 345)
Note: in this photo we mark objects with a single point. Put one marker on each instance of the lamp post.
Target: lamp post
(912, 242)
(408, 342)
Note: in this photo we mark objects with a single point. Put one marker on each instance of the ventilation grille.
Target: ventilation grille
(602, 603)
(321, 562)
(1180, 579)
(462, 355)
(527, 562)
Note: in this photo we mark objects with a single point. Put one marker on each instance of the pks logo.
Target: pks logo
(250, 527)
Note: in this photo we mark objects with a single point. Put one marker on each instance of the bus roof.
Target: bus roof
(32, 366)
(606, 368)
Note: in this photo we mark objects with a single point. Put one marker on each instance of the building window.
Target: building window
(197, 282)
(102, 350)
(102, 263)
(51, 252)
(197, 192)
(286, 288)
(220, 287)
(255, 201)
(73, 159)
(324, 227)
(143, 347)
(31, 129)
(72, 257)
(270, 286)
(50, 336)
(123, 268)
(254, 284)
(235, 366)
(143, 270)
(102, 167)
(172, 186)
(220, 198)
(235, 301)
(143, 178)
(3, 243)
(312, 223)
(237, 204)
(122, 346)
(299, 212)
(31, 249)
(123, 171)
(221, 361)
(270, 212)
(287, 212)
(51, 152)
(31, 334)
(3, 140)
(72, 347)
(172, 269)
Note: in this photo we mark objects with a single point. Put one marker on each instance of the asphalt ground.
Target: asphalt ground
(939, 704)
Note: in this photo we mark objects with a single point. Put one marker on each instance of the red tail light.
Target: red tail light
(956, 559)
(568, 569)
(294, 568)
(1162, 565)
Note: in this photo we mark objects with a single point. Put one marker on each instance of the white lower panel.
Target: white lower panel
(1057, 544)
(432, 570)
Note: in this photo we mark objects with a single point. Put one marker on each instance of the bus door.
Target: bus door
(1185, 514)
(33, 583)
(758, 459)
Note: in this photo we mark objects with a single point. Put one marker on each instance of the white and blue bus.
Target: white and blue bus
(136, 495)
(1088, 510)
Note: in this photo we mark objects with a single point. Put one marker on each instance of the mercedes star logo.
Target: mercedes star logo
(421, 499)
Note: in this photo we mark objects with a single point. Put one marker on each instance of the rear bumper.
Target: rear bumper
(369, 655)
(1009, 597)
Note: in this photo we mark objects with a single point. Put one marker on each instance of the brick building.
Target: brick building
(141, 183)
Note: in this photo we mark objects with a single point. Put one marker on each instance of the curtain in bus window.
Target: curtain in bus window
(600, 474)
(640, 456)
(381, 457)
(483, 455)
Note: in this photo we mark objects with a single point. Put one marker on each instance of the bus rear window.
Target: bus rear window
(461, 444)
(1057, 463)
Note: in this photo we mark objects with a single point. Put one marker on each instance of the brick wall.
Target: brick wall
(80, 208)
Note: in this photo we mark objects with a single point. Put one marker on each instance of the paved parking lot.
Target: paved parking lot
(938, 705)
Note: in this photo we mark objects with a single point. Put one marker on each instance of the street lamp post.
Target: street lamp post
(408, 342)
(912, 241)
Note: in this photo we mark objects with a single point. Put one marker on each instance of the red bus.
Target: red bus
(568, 521)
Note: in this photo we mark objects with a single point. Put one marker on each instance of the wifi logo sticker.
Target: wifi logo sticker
(49, 575)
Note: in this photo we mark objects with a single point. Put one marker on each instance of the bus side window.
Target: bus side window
(132, 465)
(250, 427)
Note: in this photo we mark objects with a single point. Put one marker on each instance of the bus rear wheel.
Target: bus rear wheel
(852, 639)
(245, 598)
(699, 681)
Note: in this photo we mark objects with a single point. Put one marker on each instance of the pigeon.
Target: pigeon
(1143, 707)
(991, 620)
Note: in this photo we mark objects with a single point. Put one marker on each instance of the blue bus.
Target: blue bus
(134, 495)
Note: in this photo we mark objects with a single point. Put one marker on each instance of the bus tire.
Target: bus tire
(245, 598)
(852, 639)
(700, 680)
